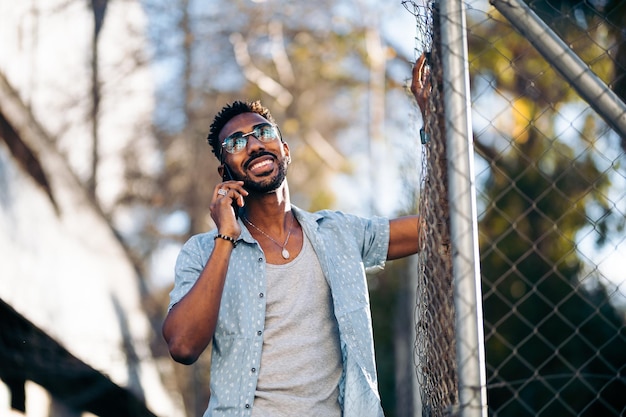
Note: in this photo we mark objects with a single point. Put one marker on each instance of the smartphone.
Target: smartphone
(228, 176)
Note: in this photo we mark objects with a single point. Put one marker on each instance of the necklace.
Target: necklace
(285, 253)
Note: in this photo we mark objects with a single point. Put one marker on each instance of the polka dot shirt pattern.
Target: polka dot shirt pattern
(346, 245)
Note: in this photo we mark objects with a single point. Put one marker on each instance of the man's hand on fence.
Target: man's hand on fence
(420, 84)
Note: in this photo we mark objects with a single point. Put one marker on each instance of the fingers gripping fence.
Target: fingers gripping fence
(548, 81)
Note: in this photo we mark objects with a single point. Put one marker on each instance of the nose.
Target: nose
(254, 143)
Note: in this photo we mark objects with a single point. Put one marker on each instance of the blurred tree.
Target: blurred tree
(546, 332)
(98, 7)
(554, 340)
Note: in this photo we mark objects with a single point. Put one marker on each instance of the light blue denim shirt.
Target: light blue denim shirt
(346, 245)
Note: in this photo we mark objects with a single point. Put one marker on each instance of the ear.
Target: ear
(220, 170)
(287, 152)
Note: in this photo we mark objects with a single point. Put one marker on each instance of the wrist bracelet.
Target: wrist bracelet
(425, 137)
(230, 239)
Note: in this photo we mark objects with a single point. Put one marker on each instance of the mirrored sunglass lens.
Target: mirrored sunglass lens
(239, 143)
(234, 143)
(266, 133)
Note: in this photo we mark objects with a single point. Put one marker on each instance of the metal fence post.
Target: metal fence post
(463, 220)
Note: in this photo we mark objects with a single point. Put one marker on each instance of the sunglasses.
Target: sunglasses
(265, 132)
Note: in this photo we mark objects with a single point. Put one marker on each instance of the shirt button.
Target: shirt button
(260, 259)
(259, 333)
(247, 405)
(261, 295)
(253, 370)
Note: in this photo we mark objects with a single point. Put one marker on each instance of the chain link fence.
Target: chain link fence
(548, 151)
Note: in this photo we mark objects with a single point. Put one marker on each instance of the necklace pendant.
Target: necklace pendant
(285, 253)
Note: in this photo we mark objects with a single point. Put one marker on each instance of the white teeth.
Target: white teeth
(261, 164)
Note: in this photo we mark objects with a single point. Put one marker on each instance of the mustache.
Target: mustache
(257, 155)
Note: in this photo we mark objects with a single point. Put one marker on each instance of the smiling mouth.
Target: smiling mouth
(260, 165)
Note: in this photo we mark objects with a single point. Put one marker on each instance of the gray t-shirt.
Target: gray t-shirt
(301, 357)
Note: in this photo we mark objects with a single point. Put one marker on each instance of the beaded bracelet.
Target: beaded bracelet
(230, 239)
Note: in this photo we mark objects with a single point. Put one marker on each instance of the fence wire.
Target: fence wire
(551, 191)
(435, 342)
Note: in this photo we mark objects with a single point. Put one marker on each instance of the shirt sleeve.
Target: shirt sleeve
(189, 264)
(375, 240)
(371, 235)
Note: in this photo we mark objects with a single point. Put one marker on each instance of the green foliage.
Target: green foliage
(554, 340)
(546, 332)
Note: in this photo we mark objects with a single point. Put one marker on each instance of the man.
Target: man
(280, 292)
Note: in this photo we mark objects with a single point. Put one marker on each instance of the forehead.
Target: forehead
(243, 122)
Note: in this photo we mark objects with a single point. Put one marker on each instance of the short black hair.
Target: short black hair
(228, 112)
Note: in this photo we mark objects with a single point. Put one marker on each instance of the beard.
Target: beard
(268, 184)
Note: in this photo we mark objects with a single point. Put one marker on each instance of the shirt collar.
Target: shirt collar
(306, 219)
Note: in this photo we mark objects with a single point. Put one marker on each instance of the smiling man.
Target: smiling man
(280, 292)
